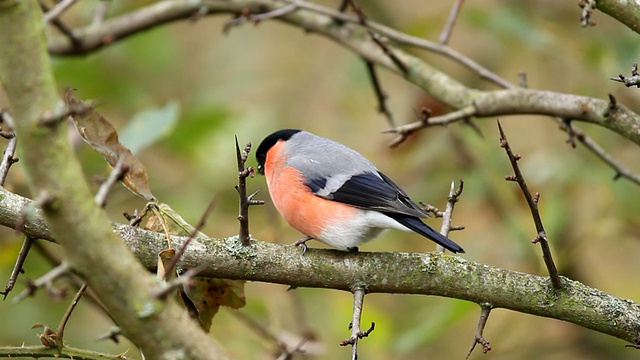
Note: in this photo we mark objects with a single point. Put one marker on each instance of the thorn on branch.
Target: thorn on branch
(613, 103)
(112, 335)
(532, 202)
(611, 108)
(522, 80)
(587, 7)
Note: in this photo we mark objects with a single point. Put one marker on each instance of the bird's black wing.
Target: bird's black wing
(371, 191)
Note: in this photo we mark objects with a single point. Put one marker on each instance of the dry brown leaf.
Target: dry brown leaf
(208, 294)
(164, 258)
(204, 295)
(103, 138)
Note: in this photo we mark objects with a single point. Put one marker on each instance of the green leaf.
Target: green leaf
(149, 126)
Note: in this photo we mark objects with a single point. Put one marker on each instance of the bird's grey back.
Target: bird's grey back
(318, 157)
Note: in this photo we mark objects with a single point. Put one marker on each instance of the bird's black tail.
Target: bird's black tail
(425, 230)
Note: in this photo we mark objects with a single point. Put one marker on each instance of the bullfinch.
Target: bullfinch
(331, 193)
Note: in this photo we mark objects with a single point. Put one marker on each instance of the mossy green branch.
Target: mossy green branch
(37, 352)
(406, 273)
(77, 224)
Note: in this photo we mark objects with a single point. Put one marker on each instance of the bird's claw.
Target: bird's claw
(302, 243)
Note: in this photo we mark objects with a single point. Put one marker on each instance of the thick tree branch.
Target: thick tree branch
(406, 273)
(162, 329)
(627, 12)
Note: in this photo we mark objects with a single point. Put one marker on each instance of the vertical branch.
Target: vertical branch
(7, 157)
(454, 194)
(532, 201)
(478, 338)
(356, 333)
(244, 200)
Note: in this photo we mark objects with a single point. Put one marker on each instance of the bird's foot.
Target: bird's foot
(302, 243)
(353, 249)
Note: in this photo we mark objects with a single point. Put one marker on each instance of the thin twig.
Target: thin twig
(117, 173)
(57, 116)
(405, 130)
(67, 315)
(633, 80)
(405, 39)
(255, 18)
(381, 96)
(100, 12)
(451, 21)
(532, 201)
(244, 200)
(63, 28)
(7, 157)
(44, 280)
(621, 170)
(17, 267)
(452, 199)
(485, 310)
(287, 354)
(356, 333)
(162, 291)
(263, 331)
(203, 219)
(57, 10)
(76, 281)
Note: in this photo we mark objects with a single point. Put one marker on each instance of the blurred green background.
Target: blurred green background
(260, 78)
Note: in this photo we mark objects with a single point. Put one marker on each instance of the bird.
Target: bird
(331, 193)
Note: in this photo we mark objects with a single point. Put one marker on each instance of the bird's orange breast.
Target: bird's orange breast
(300, 207)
